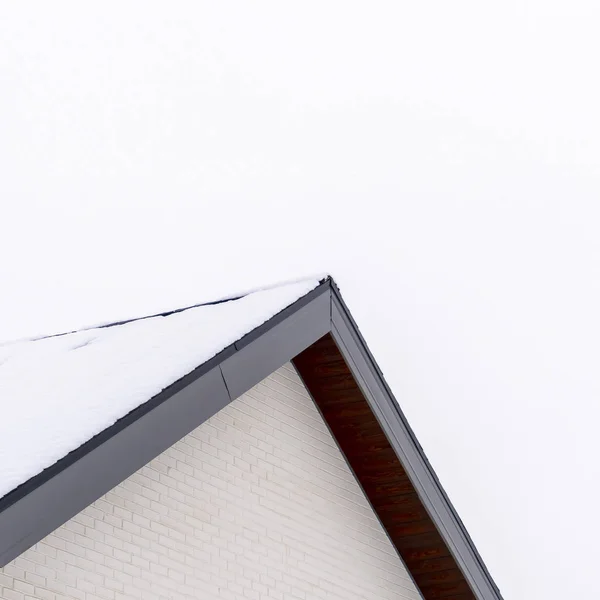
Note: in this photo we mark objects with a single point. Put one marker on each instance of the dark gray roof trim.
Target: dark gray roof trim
(45, 502)
(401, 437)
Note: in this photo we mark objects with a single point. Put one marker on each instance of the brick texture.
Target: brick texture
(257, 503)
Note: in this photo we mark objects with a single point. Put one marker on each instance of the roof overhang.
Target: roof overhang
(319, 335)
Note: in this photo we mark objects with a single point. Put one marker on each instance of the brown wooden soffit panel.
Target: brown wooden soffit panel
(380, 473)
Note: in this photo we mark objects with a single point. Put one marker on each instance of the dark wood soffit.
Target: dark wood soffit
(380, 473)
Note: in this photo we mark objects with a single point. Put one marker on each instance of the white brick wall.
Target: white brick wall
(256, 503)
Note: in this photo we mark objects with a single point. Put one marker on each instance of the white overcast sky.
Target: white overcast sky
(441, 159)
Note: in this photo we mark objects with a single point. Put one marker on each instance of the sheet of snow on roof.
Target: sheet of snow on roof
(57, 393)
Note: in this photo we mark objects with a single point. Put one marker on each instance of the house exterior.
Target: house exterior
(270, 462)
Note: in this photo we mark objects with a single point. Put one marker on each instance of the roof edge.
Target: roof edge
(299, 324)
(364, 367)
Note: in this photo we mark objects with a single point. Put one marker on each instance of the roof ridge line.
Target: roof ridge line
(237, 296)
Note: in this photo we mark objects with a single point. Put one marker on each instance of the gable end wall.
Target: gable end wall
(256, 503)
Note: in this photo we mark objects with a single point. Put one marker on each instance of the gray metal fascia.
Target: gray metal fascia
(252, 363)
(401, 437)
(50, 499)
(48, 506)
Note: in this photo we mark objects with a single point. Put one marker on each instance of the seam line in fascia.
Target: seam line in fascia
(225, 383)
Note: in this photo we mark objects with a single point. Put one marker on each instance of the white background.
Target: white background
(441, 159)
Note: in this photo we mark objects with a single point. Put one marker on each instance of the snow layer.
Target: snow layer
(56, 393)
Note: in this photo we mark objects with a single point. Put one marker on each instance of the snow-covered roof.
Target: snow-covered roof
(58, 392)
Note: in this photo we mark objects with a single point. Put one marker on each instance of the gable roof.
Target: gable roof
(85, 381)
(250, 337)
